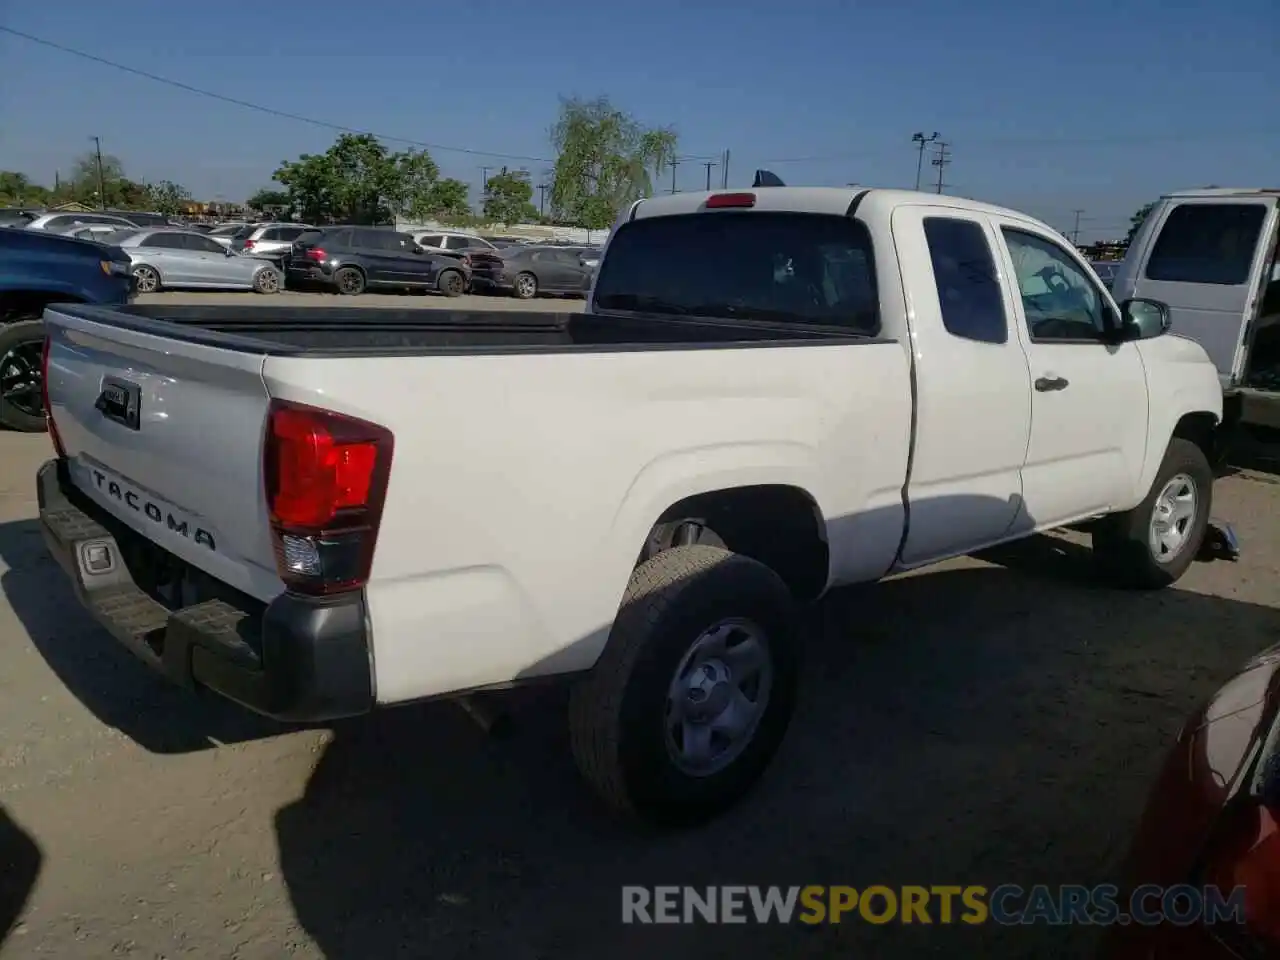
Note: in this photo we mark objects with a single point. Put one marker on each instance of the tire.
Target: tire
(621, 734)
(21, 407)
(451, 283)
(525, 286)
(349, 281)
(1125, 545)
(147, 279)
(267, 281)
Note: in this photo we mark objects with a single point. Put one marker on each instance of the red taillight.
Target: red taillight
(718, 201)
(248, 244)
(326, 479)
(44, 399)
(316, 254)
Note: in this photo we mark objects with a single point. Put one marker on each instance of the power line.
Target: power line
(271, 111)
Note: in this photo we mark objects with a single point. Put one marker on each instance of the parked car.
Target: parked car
(269, 241)
(452, 242)
(184, 259)
(1211, 255)
(147, 219)
(16, 217)
(61, 222)
(1213, 818)
(223, 233)
(354, 259)
(38, 268)
(526, 271)
(1106, 270)
(635, 496)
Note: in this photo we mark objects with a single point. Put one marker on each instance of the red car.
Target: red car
(1214, 819)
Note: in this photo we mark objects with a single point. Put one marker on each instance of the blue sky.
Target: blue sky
(1050, 106)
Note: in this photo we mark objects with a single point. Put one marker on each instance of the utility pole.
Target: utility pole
(921, 141)
(484, 183)
(941, 160)
(1075, 231)
(102, 181)
(724, 172)
(709, 164)
(542, 199)
(675, 162)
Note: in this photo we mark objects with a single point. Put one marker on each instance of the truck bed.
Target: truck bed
(366, 331)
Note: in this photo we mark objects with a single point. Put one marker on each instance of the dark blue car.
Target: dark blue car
(37, 269)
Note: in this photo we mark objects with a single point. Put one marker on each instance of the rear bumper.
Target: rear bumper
(296, 658)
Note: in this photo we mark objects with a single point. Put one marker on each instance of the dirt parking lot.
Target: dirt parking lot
(985, 721)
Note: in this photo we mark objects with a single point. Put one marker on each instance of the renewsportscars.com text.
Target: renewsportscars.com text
(1007, 904)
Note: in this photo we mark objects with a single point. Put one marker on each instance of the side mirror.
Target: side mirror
(1142, 319)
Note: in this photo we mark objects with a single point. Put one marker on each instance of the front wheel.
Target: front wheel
(693, 693)
(1152, 545)
(21, 376)
(451, 283)
(146, 279)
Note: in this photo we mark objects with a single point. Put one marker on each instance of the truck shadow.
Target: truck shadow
(20, 861)
(966, 724)
(102, 675)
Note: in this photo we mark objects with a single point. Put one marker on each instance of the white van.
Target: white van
(1210, 255)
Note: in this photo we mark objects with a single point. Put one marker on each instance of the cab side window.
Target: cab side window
(964, 272)
(1061, 302)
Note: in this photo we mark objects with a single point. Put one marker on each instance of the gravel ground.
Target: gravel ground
(984, 721)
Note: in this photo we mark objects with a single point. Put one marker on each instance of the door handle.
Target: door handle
(1047, 384)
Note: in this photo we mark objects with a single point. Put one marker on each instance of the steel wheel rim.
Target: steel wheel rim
(147, 279)
(1173, 518)
(717, 696)
(349, 282)
(526, 285)
(21, 378)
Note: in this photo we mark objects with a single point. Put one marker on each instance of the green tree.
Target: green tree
(605, 159)
(449, 202)
(359, 180)
(165, 196)
(1137, 220)
(119, 192)
(16, 189)
(508, 198)
(267, 199)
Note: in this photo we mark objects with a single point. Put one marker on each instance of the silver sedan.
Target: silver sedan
(190, 260)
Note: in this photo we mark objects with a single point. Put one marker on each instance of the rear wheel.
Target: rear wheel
(694, 690)
(21, 376)
(451, 283)
(526, 286)
(146, 279)
(266, 280)
(349, 281)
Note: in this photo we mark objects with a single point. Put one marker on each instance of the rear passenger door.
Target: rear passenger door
(165, 252)
(206, 260)
(1206, 262)
(973, 389)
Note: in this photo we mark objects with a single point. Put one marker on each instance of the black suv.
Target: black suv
(37, 269)
(355, 259)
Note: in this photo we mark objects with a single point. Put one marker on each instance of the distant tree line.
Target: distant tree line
(118, 191)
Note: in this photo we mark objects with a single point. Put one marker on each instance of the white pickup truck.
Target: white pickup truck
(316, 512)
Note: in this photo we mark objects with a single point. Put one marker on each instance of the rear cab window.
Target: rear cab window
(964, 271)
(766, 266)
(1214, 243)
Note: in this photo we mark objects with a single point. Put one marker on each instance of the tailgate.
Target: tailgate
(167, 435)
